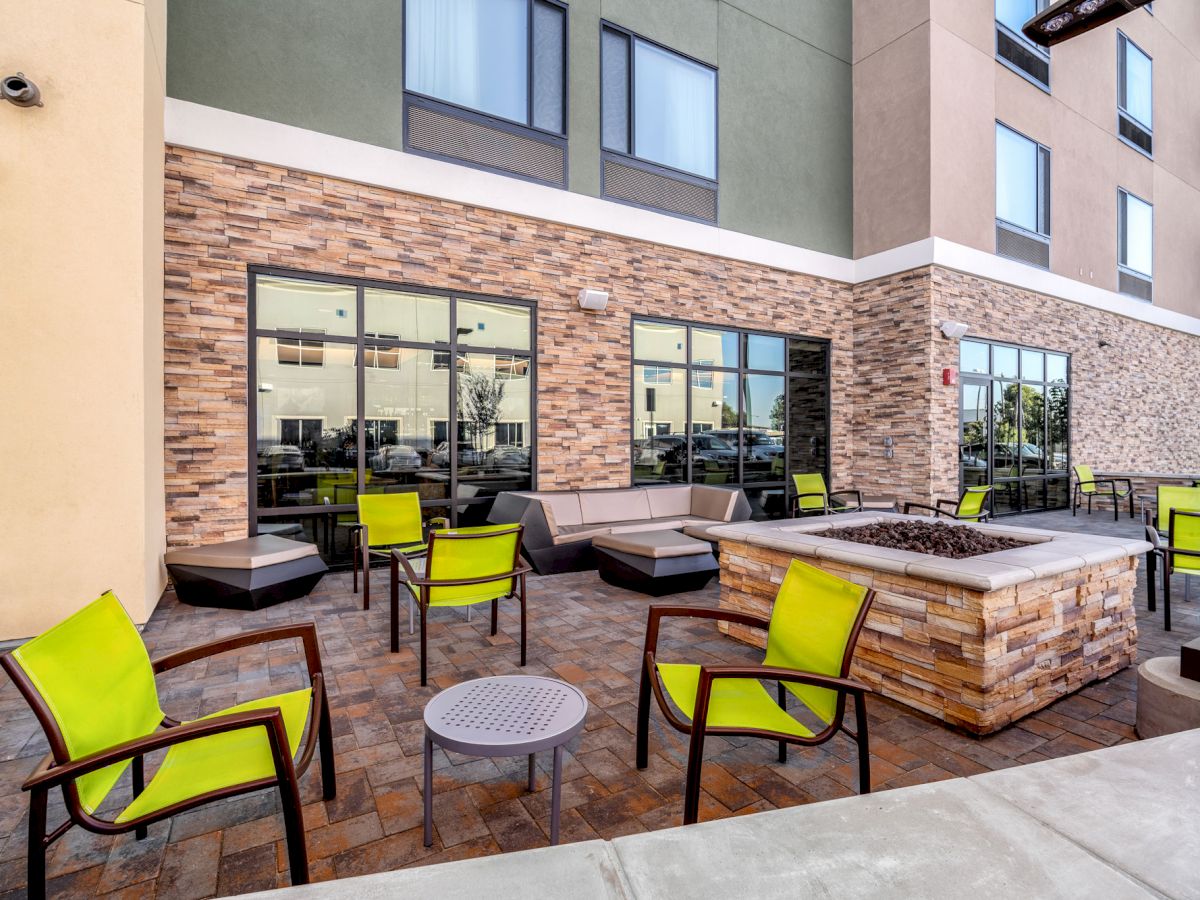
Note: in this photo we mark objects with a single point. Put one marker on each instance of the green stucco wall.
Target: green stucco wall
(784, 97)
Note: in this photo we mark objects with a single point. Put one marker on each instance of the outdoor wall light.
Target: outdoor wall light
(593, 300)
(954, 330)
(1071, 18)
(20, 91)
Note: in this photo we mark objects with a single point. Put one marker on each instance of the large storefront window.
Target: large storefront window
(723, 406)
(442, 404)
(1014, 419)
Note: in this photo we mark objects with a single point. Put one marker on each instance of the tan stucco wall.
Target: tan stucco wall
(891, 124)
(1078, 122)
(81, 290)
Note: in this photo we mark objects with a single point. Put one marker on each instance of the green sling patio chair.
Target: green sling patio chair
(971, 506)
(1169, 497)
(1088, 485)
(387, 522)
(1180, 556)
(91, 684)
(463, 567)
(814, 499)
(811, 635)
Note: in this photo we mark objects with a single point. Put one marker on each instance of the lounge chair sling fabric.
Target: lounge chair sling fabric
(93, 671)
(92, 685)
(811, 634)
(1171, 496)
(971, 504)
(809, 484)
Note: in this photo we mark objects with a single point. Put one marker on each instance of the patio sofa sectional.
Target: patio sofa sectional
(560, 525)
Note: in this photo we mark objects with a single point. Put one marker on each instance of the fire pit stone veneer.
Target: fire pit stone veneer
(978, 643)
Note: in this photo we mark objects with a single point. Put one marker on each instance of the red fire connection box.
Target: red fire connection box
(949, 376)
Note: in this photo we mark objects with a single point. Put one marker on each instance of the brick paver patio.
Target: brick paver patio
(582, 631)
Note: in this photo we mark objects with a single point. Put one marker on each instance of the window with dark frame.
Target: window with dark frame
(1135, 96)
(658, 118)
(323, 433)
(1022, 198)
(1013, 49)
(1135, 246)
(724, 406)
(1014, 415)
(485, 84)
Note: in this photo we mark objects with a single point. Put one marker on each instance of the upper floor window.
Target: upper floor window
(1135, 95)
(505, 58)
(1022, 198)
(1135, 243)
(1015, 50)
(657, 105)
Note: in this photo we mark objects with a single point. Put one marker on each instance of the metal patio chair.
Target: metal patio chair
(971, 506)
(1088, 485)
(814, 499)
(811, 635)
(91, 684)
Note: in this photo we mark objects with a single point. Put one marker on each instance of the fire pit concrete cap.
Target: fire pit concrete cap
(1046, 553)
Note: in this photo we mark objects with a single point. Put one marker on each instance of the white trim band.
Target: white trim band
(213, 130)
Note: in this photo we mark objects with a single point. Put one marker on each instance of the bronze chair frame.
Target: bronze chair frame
(1113, 492)
(425, 585)
(58, 769)
(982, 518)
(843, 685)
(827, 508)
(1169, 552)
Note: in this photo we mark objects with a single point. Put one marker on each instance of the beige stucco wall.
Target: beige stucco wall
(891, 124)
(1077, 120)
(81, 299)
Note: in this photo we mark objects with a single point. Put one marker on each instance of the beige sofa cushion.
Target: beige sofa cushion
(563, 507)
(645, 525)
(572, 533)
(670, 501)
(653, 544)
(599, 507)
(713, 502)
(248, 553)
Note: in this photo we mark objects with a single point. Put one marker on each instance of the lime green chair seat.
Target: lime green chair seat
(221, 760)
(814, 499)
(811, 634)
(92, 685)
(1093, 488)
(734, 702)
(462, 567)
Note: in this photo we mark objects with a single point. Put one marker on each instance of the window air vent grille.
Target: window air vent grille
(1135, 285)
(1136, 134)
(1022, 247)
(1020, 56)
(673, 195)
(441, 133)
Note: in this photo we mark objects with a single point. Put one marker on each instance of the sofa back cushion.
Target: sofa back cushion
(562, 508)
(713, 502)
(613, 506)
(670, 501)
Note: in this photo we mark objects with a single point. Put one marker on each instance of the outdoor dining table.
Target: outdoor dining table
(505, 715)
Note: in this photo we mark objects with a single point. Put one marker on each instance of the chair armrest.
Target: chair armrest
(777, 673)
(812, 494)
(270, 718)
(933, 509)
(858, 500)
(661, 611)
(306, 631)
(942, 501)
(522, 569)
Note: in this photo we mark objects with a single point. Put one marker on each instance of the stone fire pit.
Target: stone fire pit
(978, 642)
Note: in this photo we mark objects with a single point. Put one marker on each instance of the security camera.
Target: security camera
(954, 330)
(20, 91)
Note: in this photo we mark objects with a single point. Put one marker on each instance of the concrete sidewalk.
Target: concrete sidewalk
(1119, 822)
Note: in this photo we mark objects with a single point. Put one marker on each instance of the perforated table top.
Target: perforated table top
(506, 715)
